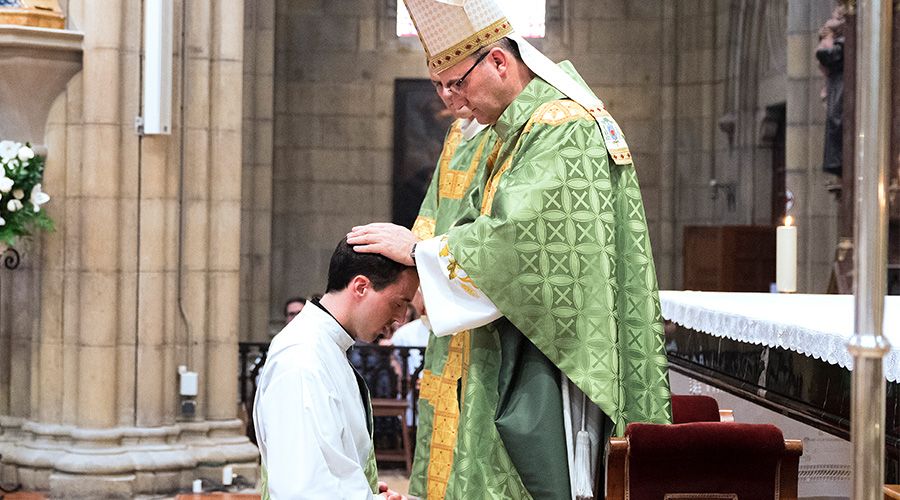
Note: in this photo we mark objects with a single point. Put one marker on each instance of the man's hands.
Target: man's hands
(384, 491)
(393, 241)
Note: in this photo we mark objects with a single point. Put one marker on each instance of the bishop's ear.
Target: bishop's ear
(500, 59)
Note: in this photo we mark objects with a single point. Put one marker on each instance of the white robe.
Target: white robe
(309, 415)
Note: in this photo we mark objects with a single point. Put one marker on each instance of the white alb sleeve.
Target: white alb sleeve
(453, 301)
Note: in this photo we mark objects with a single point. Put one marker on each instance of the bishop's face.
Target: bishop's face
(477, 83)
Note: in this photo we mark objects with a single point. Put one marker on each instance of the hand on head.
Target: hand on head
(393, 241)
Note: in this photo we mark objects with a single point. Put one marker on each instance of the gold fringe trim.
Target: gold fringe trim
(488, 203)
(441, 392)
(455, 183)
(558, 112)
(423, 227)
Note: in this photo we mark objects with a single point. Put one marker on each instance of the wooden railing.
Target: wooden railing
(389, 371)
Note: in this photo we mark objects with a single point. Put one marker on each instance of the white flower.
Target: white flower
(18, 194)
(9, 150)
(5, 184)
(2, 221)
(14, 205)
(38, 197)
(25, 153)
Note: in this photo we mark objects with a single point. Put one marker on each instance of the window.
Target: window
(527, 16)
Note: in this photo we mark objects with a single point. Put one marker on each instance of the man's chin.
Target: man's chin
(368, 338)
(463, 113)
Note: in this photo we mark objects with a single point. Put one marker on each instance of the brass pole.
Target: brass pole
(868, 346)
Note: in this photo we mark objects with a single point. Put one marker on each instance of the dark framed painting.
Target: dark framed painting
(420, 124)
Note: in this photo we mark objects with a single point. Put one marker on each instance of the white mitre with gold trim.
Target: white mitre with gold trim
(452, 30)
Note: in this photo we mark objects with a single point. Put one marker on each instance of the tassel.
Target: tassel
(583, 488)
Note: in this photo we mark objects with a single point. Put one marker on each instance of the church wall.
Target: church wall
(731, 61)
(335, 66)
(814, 208)
(675, 75)
(694, 86)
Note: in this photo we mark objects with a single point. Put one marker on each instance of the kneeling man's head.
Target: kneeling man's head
(367, 292)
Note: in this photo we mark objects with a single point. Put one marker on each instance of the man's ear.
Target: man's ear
(359, 284)
(500, 59)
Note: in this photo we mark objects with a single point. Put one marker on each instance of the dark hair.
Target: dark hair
(346, 264)
(505, 44)
(291, 301)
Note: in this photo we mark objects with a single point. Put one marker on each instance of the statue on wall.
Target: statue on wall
(830, 54)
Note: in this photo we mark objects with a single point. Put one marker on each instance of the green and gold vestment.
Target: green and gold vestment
(561, 247)
(454, 198)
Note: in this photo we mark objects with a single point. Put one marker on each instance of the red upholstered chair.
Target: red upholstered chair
(702, 460)
(697, 408)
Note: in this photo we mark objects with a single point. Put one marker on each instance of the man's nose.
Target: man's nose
(444, 92)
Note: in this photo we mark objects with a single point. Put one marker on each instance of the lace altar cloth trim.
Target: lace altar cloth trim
(818, 326)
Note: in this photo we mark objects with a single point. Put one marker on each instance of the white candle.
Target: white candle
(786, 256)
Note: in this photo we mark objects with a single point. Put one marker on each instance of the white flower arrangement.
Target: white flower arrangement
(21, 195)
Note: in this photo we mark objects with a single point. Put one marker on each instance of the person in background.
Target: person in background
(414, 333)
(292, 307)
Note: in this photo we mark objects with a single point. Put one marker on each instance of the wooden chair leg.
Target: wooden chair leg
(789, 469)
(616, 477)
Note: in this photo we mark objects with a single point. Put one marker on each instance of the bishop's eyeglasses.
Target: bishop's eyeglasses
(457, 84)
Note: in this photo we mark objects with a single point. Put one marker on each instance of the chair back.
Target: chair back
(708, 460)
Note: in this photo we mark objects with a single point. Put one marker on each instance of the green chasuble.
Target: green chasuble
(562, 249)
(554, 233)
(459, 450)
(445, 466)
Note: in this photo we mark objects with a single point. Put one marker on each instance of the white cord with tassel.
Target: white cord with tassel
(583, 488)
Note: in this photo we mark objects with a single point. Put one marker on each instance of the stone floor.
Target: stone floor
(396, 479)
(22, 496)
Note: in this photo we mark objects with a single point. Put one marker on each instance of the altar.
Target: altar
(783, 352)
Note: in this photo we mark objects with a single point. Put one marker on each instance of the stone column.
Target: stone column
(226, 69)
(142, 275)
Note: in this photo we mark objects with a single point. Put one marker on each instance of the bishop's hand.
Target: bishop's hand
(393, 241)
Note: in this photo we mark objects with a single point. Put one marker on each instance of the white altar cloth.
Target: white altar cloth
(814, 325)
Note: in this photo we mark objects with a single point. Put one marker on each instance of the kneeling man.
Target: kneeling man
(312, 414)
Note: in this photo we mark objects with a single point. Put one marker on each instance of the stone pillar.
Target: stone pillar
(142, 274)
(226, 71)
(256, 206)
(670, 231)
